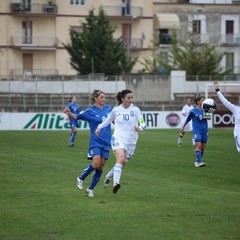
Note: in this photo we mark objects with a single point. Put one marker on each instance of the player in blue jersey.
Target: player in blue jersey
(200, 130)
(74, 108)
(99, 146)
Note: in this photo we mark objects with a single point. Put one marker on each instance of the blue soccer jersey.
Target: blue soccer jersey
(198, 122)
(94, 116)
(75, 109)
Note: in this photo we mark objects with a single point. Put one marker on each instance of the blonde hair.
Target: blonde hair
(95, 94)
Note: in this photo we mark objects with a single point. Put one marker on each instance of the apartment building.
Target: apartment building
(215, 22)
(32, 31)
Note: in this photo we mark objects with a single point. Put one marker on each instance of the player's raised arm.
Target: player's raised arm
(216, 86)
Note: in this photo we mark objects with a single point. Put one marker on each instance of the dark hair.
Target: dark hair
(95, 94)
(122, 94)
(198, 99)
(70, 99)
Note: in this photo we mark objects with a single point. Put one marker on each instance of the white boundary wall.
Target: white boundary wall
(60, 86)
(58, 121)
(180, 85)
(225, 87)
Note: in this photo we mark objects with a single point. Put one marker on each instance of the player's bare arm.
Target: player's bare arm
(68, 112)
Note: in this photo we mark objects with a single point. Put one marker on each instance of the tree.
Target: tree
(151, 59)
(95, 50)
(192, 56)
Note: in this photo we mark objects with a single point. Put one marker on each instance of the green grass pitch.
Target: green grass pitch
(163, 196)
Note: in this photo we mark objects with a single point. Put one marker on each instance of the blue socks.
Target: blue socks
(72, 137)
(86, 171)
(96, 177)
(198, 154)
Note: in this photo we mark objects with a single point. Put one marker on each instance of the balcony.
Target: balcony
(49, 8)
(17, 72)
(230, 40)
(34, 42)
(223, 40)
(118, 11)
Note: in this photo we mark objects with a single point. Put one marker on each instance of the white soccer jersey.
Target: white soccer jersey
(124, 119)
(235, 109)
(185, 111)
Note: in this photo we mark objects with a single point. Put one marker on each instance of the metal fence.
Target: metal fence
(151, 91)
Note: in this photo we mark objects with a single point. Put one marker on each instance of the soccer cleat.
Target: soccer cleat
(71, 145)
(106, 182)
(79, 183)
(200, 164)
(116, 187)
(89, 192)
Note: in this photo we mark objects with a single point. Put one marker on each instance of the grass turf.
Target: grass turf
(163, 196)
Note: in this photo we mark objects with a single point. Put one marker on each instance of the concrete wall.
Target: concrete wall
(153, 88)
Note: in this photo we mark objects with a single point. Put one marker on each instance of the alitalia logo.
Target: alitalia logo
(50, 121)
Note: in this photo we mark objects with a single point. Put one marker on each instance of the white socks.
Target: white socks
(117, 171)
(110, 174)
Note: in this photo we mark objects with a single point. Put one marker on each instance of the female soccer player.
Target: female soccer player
(99, 147)
(128, 122)
(185, 111)
(235, 109)
(74, 108)
(200, 130)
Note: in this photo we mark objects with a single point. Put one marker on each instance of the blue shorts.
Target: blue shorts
(96, 148)
(97, 151)
(200, 137)
(73, 123)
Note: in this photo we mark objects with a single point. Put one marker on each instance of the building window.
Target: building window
(27, 32)
(27, 5)
(229, 27)
(126, 6)
(77, 2)
(164, 36)
(196, 26)
(229, 31)
(230, 61)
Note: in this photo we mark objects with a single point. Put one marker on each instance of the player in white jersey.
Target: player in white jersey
(128, 121)
(235, 109)
(188, 128)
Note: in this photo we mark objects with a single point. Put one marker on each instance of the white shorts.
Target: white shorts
(188, 127)
(129, 148)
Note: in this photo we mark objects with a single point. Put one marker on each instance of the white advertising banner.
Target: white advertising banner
(59, 121)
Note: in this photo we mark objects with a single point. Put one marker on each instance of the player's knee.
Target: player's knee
(121, 160)
(96, 165)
